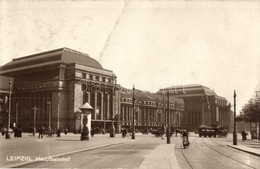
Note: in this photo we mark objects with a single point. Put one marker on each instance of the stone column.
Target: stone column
(123, 114)
(108, 102)
(88, 93)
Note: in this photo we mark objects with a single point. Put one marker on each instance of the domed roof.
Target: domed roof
(62, 55)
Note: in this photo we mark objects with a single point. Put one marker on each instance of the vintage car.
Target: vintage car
(207, 131)
(221, 131)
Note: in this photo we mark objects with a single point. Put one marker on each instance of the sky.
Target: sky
(149, 44)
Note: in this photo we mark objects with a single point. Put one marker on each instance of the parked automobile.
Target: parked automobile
(221, 131)
(207, 131)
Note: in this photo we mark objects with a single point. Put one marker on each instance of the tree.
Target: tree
(251, 110)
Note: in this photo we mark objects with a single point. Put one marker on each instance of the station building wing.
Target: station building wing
(202, 106)
(58, 82)
(150, 109)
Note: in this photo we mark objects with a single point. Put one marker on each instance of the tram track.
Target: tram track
(199, 143)
(225, 154)
(185, 157)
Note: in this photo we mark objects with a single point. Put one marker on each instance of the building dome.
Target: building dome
(62, 55)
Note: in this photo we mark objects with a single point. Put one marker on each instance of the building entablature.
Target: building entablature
(41, 86)
(80, 72)
(146, 99)
(220, 101)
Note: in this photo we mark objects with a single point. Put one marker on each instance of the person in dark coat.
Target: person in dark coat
(124, 132)
(41, 129)
(66, 131)
(243, 135)
(58, 132)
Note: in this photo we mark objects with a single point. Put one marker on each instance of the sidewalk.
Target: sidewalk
(162, 156)
(246, 149)
(249, 146)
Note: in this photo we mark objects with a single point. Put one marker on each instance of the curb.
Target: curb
(64, 154)
(250, 152)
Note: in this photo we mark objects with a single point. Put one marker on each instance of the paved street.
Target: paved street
(214, 154)
(146, 151)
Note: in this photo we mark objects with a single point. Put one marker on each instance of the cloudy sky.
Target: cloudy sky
(152, 44)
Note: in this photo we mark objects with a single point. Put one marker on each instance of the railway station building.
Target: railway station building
(151, 109)
(54, 84)
(202, 106)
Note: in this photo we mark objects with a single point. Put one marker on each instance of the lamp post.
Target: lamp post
(133, 129)
(7, 134)
(234, 133)
(168, 111)
(112, 129)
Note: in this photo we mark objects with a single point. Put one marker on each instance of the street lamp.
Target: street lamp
(234, 133)
(113, 130)
(168, 110)
(133, 130)
(7, 134)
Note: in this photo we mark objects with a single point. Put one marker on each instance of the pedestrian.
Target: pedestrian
(244, 135)
(163, 131)
(124, 132)
(66, 131)
(185, 139)
(40, 132)
(103, 131)
(3, 131)
(58, 132)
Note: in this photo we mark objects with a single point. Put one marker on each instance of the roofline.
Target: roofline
(220, 97)
(37, 54)
(3, 72)
(186, 86)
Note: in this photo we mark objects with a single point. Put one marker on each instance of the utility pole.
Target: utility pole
(168, 111)
(133, 130)
(234, 133)
(202, 112)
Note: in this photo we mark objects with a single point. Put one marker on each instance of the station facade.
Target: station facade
(150, 109)
(50, 87)
(202, 106)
